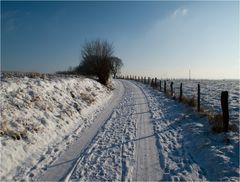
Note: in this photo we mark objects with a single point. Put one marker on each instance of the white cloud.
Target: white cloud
(180, 12)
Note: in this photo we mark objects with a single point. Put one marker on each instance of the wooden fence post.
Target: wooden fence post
(198, 98)
(165, 89)
(155, 84)
(152, 83)
(225, 111)
(160, 85)
(180, 97)
(171, 85)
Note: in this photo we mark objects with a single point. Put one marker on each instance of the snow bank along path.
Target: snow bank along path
(40, 117)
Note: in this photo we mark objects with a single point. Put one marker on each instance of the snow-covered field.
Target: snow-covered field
(41, 116)
(140, 135)
(211, 94)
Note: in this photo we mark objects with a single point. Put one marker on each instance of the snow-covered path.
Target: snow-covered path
(147, 167)
(125, 148)
(144, 136)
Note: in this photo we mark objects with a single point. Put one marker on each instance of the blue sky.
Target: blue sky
(160, 39)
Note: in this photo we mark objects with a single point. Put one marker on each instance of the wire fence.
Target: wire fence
(210, 93)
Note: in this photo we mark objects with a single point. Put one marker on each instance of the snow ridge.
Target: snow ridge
(41, 117)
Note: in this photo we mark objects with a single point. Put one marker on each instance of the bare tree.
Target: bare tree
(96, 60)
(116, 66)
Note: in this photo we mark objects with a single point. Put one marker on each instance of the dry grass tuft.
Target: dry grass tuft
(87, 98)
(15, 134)
(189, 101)
(216, 122)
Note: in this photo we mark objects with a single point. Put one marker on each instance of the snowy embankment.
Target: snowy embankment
(40, 115)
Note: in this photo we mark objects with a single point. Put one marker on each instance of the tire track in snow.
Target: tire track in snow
(110, 155)
(148, 165)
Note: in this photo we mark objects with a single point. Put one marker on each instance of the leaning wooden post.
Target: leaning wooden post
(198, 98)
(180, 97)
(225, 111)
(171, 88)
(165, 89)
